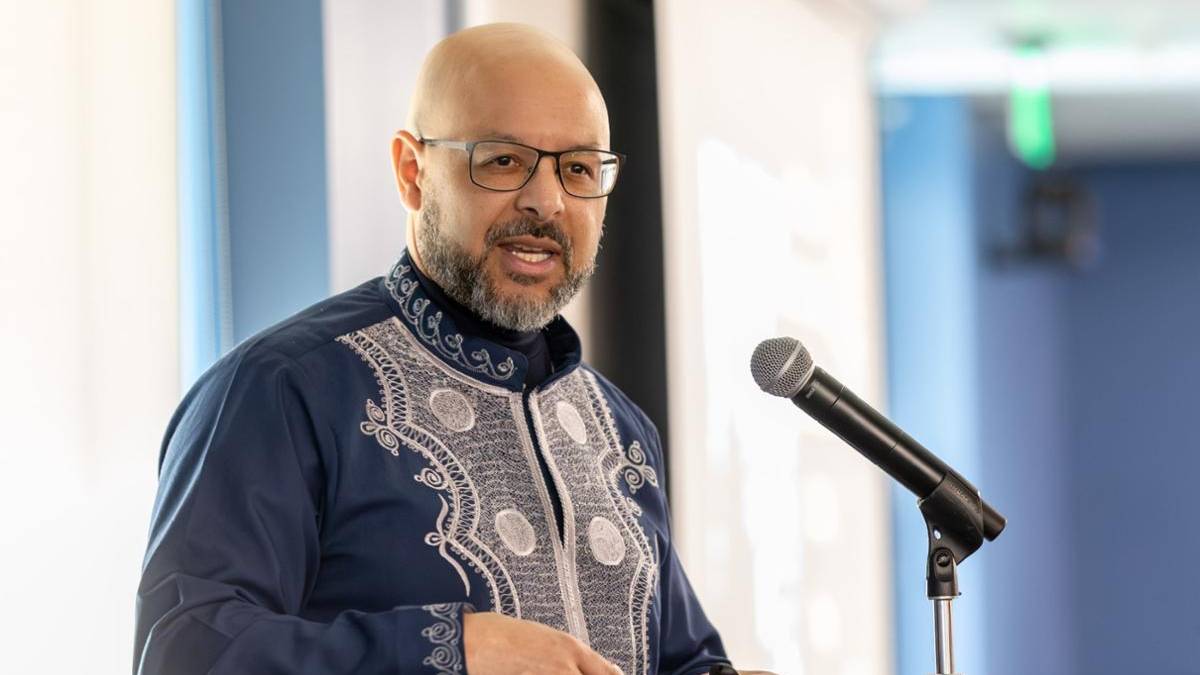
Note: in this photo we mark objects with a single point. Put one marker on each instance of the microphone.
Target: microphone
(783, 367)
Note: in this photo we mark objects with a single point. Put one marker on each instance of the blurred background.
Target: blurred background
(978, 214)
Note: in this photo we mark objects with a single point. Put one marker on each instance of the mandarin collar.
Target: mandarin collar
(468, 353)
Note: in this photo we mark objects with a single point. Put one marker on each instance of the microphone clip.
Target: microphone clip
(953, 515)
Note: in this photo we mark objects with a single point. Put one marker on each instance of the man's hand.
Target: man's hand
(500, 645)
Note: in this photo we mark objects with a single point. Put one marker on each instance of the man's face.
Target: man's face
(515, 258)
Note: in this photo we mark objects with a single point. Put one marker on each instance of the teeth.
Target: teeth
(531, 257)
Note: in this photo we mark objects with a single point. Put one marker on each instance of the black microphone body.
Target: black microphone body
(874, 436)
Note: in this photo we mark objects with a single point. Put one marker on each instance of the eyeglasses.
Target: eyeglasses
(504, 166)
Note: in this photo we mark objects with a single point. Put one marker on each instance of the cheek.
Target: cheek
(469, 219)
(587, 238)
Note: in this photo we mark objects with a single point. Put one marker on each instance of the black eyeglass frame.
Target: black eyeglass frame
(469, 147)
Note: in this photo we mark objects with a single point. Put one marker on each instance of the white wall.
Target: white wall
(88, 282)
(373, 49)
(561, 18)
(771, 229)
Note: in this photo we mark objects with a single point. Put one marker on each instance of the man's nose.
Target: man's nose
(542, 196)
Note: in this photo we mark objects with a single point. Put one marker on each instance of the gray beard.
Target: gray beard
(463, 277)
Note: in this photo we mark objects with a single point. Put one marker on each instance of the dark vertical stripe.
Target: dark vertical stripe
(628, 314)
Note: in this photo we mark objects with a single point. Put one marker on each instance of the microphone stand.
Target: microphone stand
(953, 515)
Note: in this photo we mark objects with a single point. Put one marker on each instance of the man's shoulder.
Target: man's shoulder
(287, 352)
(299, 339)
(320, 324)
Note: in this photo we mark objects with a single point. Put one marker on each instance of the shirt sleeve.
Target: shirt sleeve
(689, 644)
(234, 544)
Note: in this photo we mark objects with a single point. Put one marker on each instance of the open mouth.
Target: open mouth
(530, 255)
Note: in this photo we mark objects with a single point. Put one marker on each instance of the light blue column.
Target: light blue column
(931, 256)
(204, 293)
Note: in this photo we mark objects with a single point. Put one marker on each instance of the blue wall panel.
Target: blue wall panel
(1134, 360)
(1023, 420)
(275, 139)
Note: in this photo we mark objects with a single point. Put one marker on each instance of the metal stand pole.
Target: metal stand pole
(943, 634)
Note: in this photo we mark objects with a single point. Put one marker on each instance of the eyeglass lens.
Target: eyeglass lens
(506, 166)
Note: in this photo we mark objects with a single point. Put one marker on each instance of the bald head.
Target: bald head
(464, 74)
(514, 256)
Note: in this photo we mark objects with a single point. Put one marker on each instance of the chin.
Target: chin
(510, 283)
(527, 289)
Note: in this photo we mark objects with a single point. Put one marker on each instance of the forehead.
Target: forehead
(548, 107)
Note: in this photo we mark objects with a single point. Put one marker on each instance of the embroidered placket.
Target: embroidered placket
(564, 549)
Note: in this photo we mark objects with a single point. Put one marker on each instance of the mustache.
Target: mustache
(533, 228)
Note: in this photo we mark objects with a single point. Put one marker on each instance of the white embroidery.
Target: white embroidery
(608, 547)
(516, 532)
(606, 591)
(635, 470)
(571, 422)
(446, 636)
(455, 536)
(635, 573)
(404, 288)
(564, 549)
(452, 409)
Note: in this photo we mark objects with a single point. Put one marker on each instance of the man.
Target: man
(419, 475)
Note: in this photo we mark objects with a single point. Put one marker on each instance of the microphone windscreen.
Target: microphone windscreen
(781, 366)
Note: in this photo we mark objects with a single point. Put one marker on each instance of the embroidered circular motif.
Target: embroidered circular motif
(571, 422)
(452, 409)
(608, 546)
(516, 532)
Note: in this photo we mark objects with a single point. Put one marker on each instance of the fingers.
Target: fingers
(591, 663)
(498, 645)
(597, 665)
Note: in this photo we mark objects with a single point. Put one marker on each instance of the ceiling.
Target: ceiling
(1124, 76)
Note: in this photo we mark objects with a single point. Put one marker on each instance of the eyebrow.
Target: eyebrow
(500, 136)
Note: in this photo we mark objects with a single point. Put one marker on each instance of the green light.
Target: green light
(1030, 117)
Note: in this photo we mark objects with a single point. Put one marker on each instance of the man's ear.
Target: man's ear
(407, 155)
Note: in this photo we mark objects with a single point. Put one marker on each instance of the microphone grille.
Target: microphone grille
(781, 366)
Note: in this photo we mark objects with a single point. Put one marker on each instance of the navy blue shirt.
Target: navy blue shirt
(338, 490)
